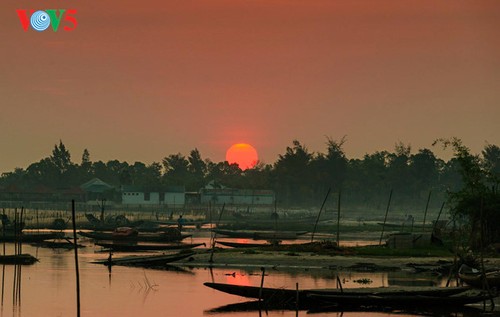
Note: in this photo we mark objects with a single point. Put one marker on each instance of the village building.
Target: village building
(137, 195)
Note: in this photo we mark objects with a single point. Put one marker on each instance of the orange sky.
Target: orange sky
(139, 80)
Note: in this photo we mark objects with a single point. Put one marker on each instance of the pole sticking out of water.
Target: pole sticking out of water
(297, 299)
(76, 259)
(3, 266)
(212, 242)
(439, 216)
(426, 208)
(319, 214)
(338, 220)
(385, 218)
(263, 269)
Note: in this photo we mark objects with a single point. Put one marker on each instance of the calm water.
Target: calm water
(48, 287)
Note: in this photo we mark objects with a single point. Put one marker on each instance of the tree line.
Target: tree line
(299, 177)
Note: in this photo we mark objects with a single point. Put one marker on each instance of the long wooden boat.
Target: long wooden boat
(126, 247)
(403, 300)
(260, 235)
(142, 237)
(145, 261)
(300, 247)
(475, 277)
(244, 245)
(23, 259)
(286, 296)
(31, 237)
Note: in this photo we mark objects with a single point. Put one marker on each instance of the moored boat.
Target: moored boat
(261, 235)
(308, 297)
(126, 247)
(400, 300)
(30, 237)
(244, 245)
(144, 237)
(476, 278)
(145, 261)
(22, 259)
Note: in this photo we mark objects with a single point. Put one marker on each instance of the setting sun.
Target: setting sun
(242, 154)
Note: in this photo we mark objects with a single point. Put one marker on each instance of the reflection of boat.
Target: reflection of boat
(352, 295)
(475, 277)
(421, 311)
(145, 261)
(261, 235)
(147, 247)
(149, 237)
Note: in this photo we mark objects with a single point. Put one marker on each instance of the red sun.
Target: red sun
(242, 154)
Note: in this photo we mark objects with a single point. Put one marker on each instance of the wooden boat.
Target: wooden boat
(260, 235)
(287, 296)
(145, 261)
(31, 237)
(403, 300)
(142, 237)
(125, 247)
(275, 245)
(110, 223)
(23, 259)
(244, 245)
(475, 278)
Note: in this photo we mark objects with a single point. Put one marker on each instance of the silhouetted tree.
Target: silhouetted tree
(491, 164)
(475, 202)
(176, 169)
(292, 175)
(197, 169)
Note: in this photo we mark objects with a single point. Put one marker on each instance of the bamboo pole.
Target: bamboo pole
(275, 215)
(214, 235)
(319, 214)
(426, 208)
(439, 215)
(338, 220)
(485, 284)
(76, 260)
(3, 266)
(385, 218)
(297, 299)
(263, 269)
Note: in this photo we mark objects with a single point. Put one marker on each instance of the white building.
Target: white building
(134, 195)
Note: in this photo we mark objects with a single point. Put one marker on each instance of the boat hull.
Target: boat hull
(147, 247)
(374, 296)
(141, 237)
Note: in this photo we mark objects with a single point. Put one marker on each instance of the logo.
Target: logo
(41, 20)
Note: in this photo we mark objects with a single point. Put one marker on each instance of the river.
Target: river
(48, 287)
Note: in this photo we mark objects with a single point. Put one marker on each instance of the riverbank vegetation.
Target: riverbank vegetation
(299, 177)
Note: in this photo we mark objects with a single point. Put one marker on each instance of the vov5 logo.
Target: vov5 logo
(41, 20)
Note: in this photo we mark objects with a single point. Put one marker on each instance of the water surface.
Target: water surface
(48, 287)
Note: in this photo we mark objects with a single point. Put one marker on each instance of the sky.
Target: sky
(140, 80)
